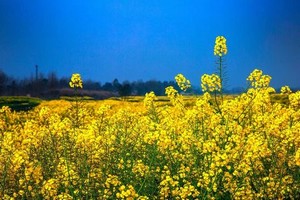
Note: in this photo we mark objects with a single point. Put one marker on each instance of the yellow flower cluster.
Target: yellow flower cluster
(171, 92)
(127, 193)
(149, 99)
(182, 82)
(140, 168)
(76, 81)
(175, 98)
(294, 99)
(258, 79)
(220, 48)
(210, 83)
(297, 157)
(175, 148)
(285, 90)
(49, 189)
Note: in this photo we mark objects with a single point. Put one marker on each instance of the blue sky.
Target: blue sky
(142, 39)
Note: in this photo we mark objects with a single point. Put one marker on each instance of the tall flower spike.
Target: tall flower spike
(76, 81)
(220, 46)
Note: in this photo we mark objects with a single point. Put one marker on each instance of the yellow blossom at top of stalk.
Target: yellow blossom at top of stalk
(171, 92)
(220, 46)
(285, 90)
(182, 82)
(258, 79)
(76, 81)
(149, 99)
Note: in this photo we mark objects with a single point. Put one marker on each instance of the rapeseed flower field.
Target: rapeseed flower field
(245, 147)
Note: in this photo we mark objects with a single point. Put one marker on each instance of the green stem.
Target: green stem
(221, 76)
(76, 107)
(217, 104)
(5, 175)
(68, 168)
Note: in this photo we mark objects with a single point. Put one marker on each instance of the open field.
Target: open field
(19, 103)
(173, 147)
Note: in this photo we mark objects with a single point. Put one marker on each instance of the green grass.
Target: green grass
(141, 98)
(84, 98)
(19, 103)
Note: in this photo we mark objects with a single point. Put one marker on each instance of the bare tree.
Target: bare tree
(3, 82)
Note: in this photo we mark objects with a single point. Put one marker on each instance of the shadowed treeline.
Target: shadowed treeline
(51, 86)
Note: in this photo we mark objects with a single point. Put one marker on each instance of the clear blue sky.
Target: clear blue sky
(142, 39)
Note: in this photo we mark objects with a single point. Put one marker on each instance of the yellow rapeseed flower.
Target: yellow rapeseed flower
(220, 46)
(258, 79)
(210, 83)
(297, 157)
(294, 100)
(149, 99)
(285, 90)
(76, 81)
(182, 82)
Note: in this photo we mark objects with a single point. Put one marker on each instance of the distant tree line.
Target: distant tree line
(50, 87)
